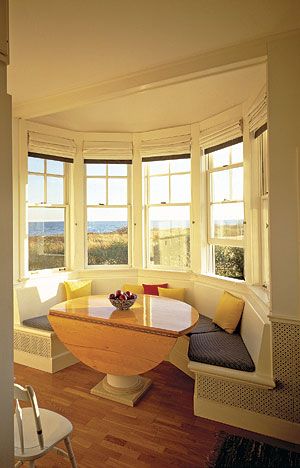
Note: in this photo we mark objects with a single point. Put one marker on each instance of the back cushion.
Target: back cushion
(78, 288)
(153, 288)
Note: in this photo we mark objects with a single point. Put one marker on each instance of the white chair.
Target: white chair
(37, 431)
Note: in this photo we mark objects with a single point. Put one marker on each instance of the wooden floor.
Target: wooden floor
(161, 431)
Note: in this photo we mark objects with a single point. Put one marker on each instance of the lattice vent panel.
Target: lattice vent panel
(32, 344)
(284, 401)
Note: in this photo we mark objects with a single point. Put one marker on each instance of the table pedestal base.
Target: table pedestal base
(123, 389)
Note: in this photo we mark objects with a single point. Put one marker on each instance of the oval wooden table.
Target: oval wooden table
(121, 344)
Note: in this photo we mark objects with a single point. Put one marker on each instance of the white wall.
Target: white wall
(6, 267)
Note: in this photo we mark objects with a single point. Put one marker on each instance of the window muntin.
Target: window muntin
(108, 214)
(167, 198)
(226, 211)
(47, 206)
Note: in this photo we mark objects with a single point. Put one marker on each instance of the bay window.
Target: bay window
(108, 212)
(167, 206)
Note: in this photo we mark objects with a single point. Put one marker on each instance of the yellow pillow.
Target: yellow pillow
(78, 288)
(134, 288)
(172, 293)
(229, 312)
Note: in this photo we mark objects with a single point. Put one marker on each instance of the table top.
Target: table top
(156, 314)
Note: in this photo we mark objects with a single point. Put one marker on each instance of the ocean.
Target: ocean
(49, 228)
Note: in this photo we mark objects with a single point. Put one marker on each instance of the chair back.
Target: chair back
(27, 394)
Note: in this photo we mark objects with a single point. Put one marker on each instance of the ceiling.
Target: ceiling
(59, 47)
(169, 106)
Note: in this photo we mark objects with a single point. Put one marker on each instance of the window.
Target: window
(108, 214)
(226, 209)
(167, 197)
(261, 139)
(47, 206)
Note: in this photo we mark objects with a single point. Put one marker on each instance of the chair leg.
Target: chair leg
(70, 452)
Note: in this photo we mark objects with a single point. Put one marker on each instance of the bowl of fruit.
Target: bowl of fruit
(122, 300)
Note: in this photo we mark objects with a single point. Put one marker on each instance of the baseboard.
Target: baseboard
(46, 364)
(245, 419)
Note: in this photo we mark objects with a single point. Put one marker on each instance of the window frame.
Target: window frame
(106, 205)
(261, 147)
(44, 204)
(147, 206)
(215, 241)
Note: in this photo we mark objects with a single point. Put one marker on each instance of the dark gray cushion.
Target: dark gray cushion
(220, 349)
(204, 325)
(40, 322)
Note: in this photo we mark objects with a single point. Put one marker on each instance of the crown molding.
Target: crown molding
(210, 63)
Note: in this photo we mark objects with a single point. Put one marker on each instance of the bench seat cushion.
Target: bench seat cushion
(40, 322)
(220, 349)
(204, 325)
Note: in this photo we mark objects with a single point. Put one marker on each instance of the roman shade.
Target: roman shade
(51, 147)
(257, 116)
(176, 147)
(220, 136)
(107, 152)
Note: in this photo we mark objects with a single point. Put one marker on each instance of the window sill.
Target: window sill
(261, 293)
(214, 280)
(44, 274)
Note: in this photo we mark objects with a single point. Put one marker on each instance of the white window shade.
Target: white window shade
(220, 134)
(257, 116)
(39, 143)
(109, 150)
(171, 146)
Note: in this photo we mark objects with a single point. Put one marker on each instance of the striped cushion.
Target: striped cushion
(220, 349)
(40, 322)
(204, 325)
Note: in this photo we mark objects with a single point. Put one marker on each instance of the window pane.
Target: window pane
(229, 261)
(95, 169)
(227, 220)
(117, 191)
(96, 191)
(159, 189)
(169, 236)
(219, 158)
(55, 190)
(158, 167)
(237, 183)
(180, 165)
(117, 169)
(35, 164)
(46, 227)
(220, 188)
(181, 188)
(107, 236)
(35, 189)
(237, 153)
(55, 167)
